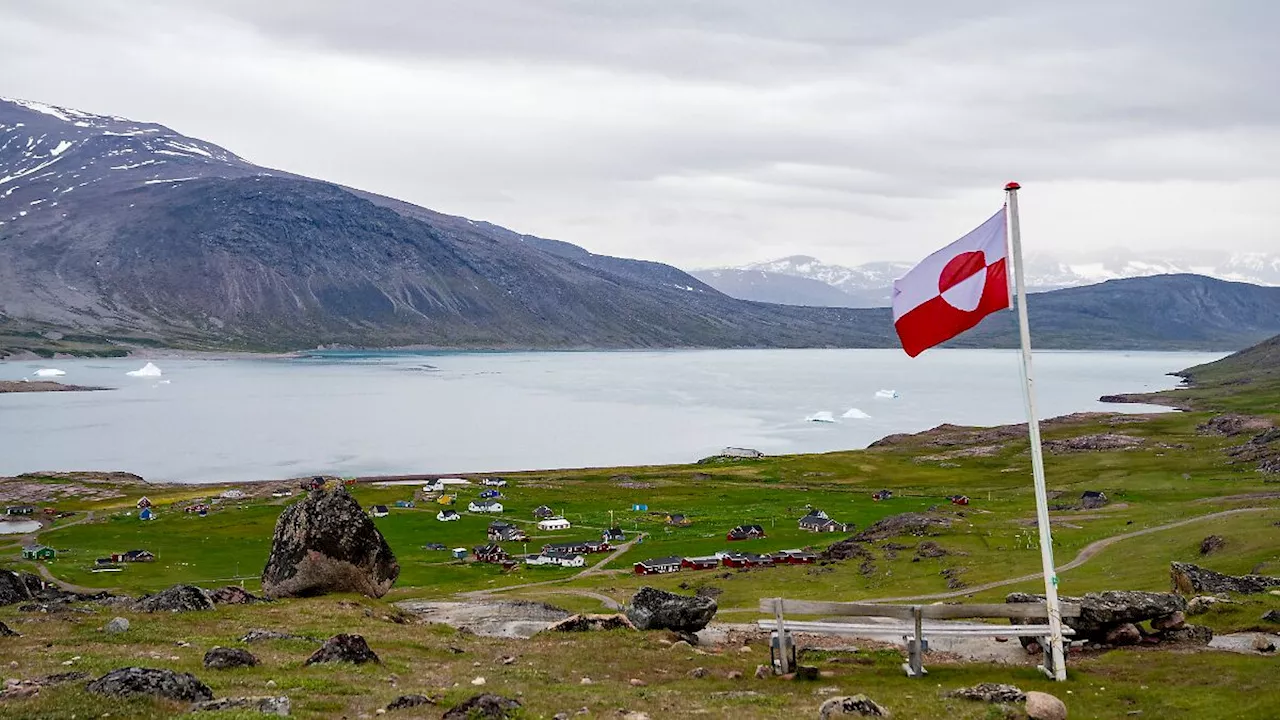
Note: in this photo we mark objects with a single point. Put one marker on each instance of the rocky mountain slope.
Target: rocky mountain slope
(115, 229)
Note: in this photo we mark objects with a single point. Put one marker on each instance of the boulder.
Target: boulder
(279, 706)
(116, 625)
(1188, 579)
(221, 658)
(1169, 622)
(1263, 644)
(5, 631)
(583, 623)
(12, 588)
(1043, 706)
(1232, 424)
(1272, 616)
(483, 707)
(1124, 634)
(168, 684)
(325, 543)
(405, 702)
(1099, 612)
(344, 648)
(991, 692)
(179, 598)
(1212, 544)
(233, 595)
(1200, 604)
(857, 705)
(846, 550)
(1190, 634)
(653, 609)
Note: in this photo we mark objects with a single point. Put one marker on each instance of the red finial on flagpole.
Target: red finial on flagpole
(1013, 186)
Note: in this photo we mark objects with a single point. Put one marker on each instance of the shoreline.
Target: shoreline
(34, 386)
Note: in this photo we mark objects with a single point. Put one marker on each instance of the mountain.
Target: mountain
(772, 287)
(113, 228)
(869, 284)
(117, 231)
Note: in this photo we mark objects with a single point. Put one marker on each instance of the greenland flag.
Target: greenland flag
(953, 289)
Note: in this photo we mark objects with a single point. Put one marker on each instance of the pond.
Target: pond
(18, 527)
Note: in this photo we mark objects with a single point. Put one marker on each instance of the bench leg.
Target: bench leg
(783, 638)
(916, 645)
(1047, 666)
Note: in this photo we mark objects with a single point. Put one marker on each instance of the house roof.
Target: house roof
(704, 559)
(657, 562)
(380, 508)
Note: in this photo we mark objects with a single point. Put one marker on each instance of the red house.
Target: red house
(795, 557)
(658, 566)
(709, 562)
(745, 560)
(959, 499)
(490, 553)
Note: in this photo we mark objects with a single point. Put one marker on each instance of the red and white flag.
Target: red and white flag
(953, 289)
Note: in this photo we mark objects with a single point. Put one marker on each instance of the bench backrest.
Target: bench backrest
(1013, 611)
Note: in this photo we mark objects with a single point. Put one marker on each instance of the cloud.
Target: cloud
(715, 131)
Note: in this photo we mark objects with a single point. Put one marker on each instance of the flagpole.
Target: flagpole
(1058, 669)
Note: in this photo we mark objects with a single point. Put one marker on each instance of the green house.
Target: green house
(39, 552)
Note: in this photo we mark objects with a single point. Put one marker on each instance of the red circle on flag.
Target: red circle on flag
(961, 268)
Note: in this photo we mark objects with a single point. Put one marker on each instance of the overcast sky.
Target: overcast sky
(705, 132)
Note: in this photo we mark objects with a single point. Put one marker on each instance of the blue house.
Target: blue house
(147, 514)
(639, 507)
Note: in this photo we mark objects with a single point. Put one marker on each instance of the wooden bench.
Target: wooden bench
(913, 629)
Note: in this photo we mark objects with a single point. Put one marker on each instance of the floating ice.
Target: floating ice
(148, 370)
(887, 394)
(822, 416)
(50, 372)
(855, 413)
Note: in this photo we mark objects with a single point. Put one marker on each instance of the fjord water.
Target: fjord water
(400, 412)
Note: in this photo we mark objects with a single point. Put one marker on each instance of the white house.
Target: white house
(484, 506)
(494, 482)
(379, 511)
(447, 515)
(539, 559)
(557, 523)
(233, 494)
(573, 560)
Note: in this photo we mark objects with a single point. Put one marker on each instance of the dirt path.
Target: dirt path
(604, 599)
(1085, 554)
(593, 570)
(598, 568)
(44, 573)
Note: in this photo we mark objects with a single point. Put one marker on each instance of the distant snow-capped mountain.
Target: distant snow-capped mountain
(868, 285)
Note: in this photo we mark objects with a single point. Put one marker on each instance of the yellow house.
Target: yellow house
(447, 499)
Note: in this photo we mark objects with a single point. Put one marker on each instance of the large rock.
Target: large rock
(653, 609)
(1170, 622)
(325, 543)
(116, 625)
(6, 631)
(1043, 706)
(278, 706)
(483, 707)
(1189, 634)
(12, 588)
(147, 681)
(405, 702)
(179, 598)
(1100, 612)
(260, 635)
(1124, 634)
(1189, 579)
(233, 595)
(855, 705)
(221, 658)
(344, 648)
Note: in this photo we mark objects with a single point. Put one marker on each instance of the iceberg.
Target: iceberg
(822, 416)
(890, 394)
(855, 413)
(49, 372)
(148, 370)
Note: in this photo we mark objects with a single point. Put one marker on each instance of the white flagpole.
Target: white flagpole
(1059, 668)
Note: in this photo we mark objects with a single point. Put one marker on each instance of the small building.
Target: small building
(677, 520)
(570, 560)
(51, 511)
(737, 452)
(20, 510)
(577, 546)
(404, 503)
(817, 521)
(745, 532)
(314, 483)
(147, 514)
(39, 552)
(485, 506)
(459, 553)
(658, 566)
(959, 499)
(285, 492)
(556, 523)
(795, 557)
(494, 482)
(1091, 499)
(745, 560)
(502, 531)
(597, 546)
(613, 534)
(539, 559)
(490, 553)
(640, 507)
(447, 515)
(881, 495)
(133, 556)
(198, 508)
(447, 499)
(490, 494)
(709, 562)
(233, 494)
(542, 512)
(106, 561)
(144, 502)
(379, 511)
